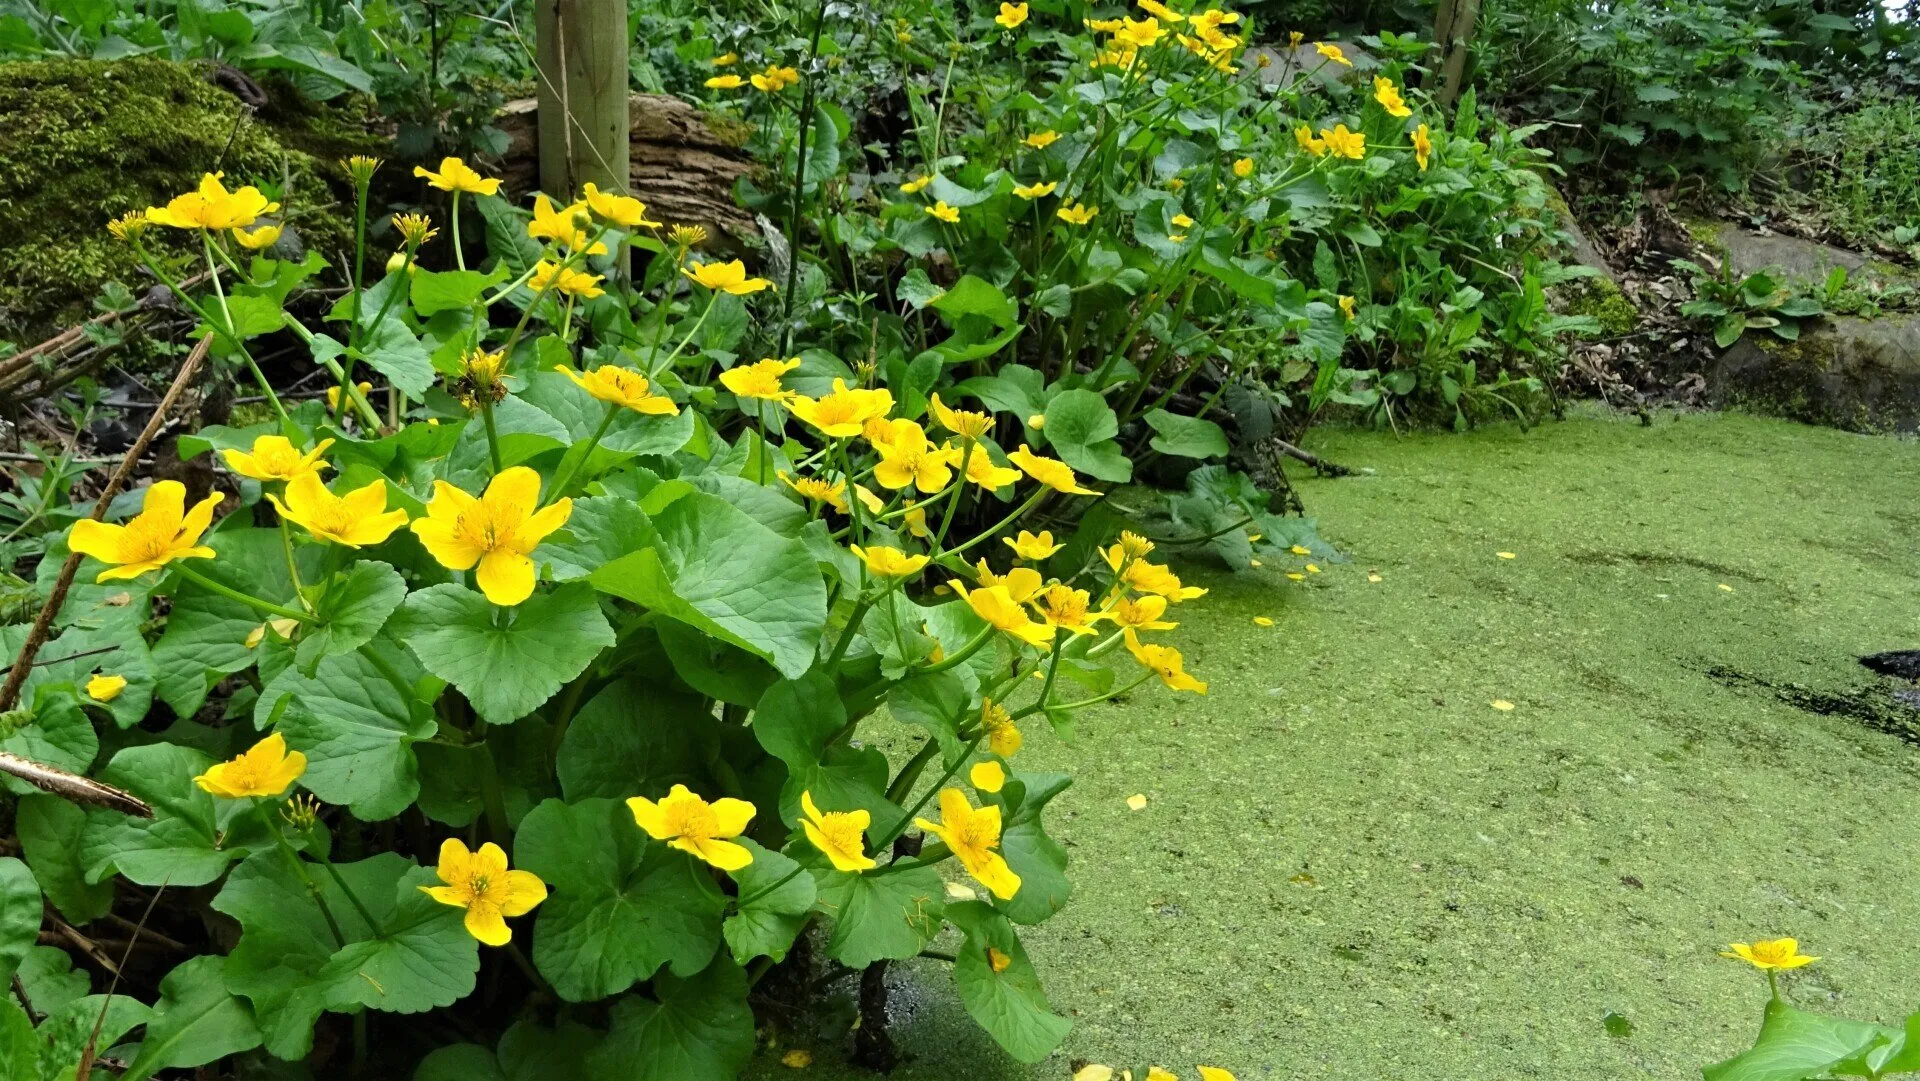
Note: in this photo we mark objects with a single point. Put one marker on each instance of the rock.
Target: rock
(1858, 374)
(1802, 262)
(681, 166)
(1280, 65)
(1598, 294)
(84, 141)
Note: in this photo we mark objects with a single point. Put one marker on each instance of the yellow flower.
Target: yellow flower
(687, 236)
(565, 226)
(1181, 221)
(1304, 136)
(414, 229)
(357, 519)
(481, 883)
(1051, 472)
(726, 278)
(1243, 168)
(212, 206)
(725, 82)
(1775, 954)
(692, 825)
(1161, 11)
(105, 688)
(889, 562)
(1076, 213)
(497, 531)
(622, 210)
(775, 79)
(129, 226)
(1388, 95)
(1345, 144)
(1139, 613)
(844, 413)
(914, 186)
(1003, 738)
(996, 606)
(907, 458)
(760, 379)
(615, 385)
(549, 276)
(987, 776)
(275, 458)
(1347, 306)
(972, 835)
(1165, 662)
(1031, 547)
(961, 422)
(1035, 191)
(457, 175)
(1294, 38)
(1332, 52)
(944, 212)
(1040, 140)
(725, 60)
(833, 494)
(1065, 607)
(333, 394)
(981, 470)
(1102, 26)
(257, 239)
(162, 532)
(1422, 146)
(916, 520)
(1213, 18)
(1011, 15)
(1140, 33)
(1155, 578)
(839, 835)
(1021, 583)
(266, 769)
(361, 167)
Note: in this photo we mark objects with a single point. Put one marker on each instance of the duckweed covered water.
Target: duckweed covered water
(1352, 866)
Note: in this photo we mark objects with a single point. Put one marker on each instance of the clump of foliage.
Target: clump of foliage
(1865, 170)
(1796, 1044)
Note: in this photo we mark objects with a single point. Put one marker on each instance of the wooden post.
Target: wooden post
(581, 47)
(1453, 23)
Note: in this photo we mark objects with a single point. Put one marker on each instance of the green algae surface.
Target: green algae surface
(1351, 865)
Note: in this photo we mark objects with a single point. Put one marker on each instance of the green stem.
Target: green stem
(226, 325)
(491, 794)
(740, 904)
(453, 219)
(1032, 501)
(300, 869)
(712, 298)
(559, 486)
(910, 773)
(972, 647)
(1085, 702)
(953, 501)
(901, 826)
(853, 627)
(493, 438)
(244, 598)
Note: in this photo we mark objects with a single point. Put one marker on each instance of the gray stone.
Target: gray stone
(1283, 65)
(1857, 374)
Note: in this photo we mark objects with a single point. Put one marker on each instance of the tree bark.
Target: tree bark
(1453, 31)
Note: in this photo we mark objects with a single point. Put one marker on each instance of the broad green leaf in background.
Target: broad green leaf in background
(50, 830)
(450, 290)
(68, 1027)
(19, 1044)
(355, 728)
(701, 1029)
(776, 911)
(888, 917)
(1081, 427)
(188, 841)
(717, 569)
(355, 611)
(974, 296)
(60, 734)
(1187, 437)
(506, 661)
(206, 634)
(50, 980)
(424, 960)
(636, 739)
(1038, 859)
(622, 904)
(196, 1021)
(1795, 1044)
(797, 721)
(1008, 1003)
(19, 916)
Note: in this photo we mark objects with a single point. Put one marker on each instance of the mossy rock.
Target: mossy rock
(84, 141)
(1601, 298)
(1858, 374)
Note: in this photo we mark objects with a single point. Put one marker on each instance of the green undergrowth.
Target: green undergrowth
(1352, 865)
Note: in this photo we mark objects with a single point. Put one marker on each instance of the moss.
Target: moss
(1705, 232)
(1791, 384)
(84, 141)
(1601, 298)
(1350, 863)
